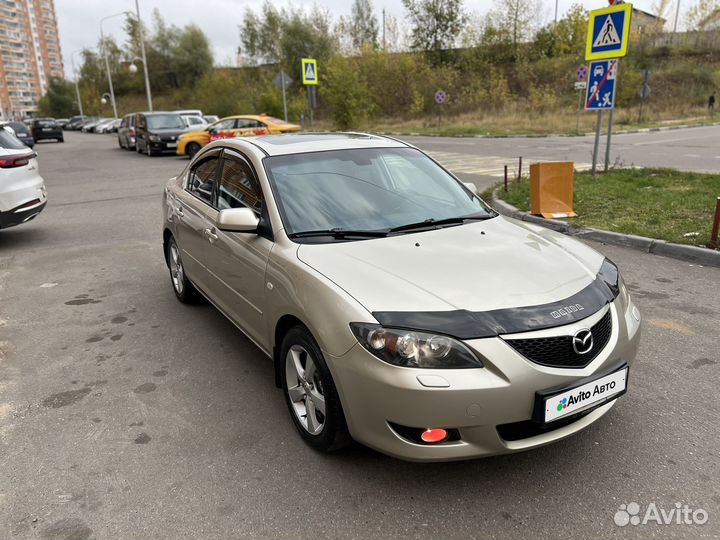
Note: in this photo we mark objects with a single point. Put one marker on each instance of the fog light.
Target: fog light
(434, 435)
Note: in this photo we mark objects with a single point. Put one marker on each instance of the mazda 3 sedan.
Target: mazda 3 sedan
(398, 308)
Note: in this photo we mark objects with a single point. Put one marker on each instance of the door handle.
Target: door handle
(179, 211)
(210, 235)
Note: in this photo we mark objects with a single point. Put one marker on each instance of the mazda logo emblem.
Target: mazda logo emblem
(582, 341)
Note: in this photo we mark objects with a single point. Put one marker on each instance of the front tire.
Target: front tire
(148, 150)
(310, 392)
(183, 288)
(192, 149)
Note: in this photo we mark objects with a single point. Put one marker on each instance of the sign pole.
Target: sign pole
(610, 121)
(282, 84)
(580, 103)
(310, 80)
(310, 105)
(609, 137)
(596, 148)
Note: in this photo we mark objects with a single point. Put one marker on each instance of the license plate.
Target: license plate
(47, 129)
(171, 145)
(585, 396)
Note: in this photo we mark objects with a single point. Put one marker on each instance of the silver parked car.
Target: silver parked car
(398, 308)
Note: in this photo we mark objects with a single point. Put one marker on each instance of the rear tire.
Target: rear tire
(183, 288)
(310, 392)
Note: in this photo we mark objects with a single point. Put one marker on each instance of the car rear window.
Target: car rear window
(10, 142)
(20, 129)
(47, 123)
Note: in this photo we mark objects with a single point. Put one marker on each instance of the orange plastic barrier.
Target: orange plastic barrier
(551, 189)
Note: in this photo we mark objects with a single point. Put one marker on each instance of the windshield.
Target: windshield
(165, 121)
(366, 189)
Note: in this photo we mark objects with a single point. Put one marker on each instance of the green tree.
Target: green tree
(259, 33)
(346, 93)
(191, 56)
(363, 24)
(567, 36)
(287, 35)
(434, 23)
(60, 100)
(513, 21)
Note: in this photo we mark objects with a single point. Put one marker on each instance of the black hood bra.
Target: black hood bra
(464, 324)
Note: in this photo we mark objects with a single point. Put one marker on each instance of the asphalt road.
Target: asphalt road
(692, 149)
(124, 414)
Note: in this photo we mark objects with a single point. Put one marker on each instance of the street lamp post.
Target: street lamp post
(107, 62)
(144, 59)
(77, 85)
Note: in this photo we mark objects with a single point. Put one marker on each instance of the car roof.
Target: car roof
(298, 143)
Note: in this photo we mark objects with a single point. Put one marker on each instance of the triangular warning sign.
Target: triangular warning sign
(309, 72)
(608, 34)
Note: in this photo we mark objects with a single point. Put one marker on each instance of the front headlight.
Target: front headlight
(154, 138)
(408, 348)
(610, 275)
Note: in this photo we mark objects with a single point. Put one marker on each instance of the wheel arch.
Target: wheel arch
(167, 233)
(282, 327)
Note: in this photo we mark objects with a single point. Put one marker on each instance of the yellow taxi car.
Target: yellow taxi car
(230, 127)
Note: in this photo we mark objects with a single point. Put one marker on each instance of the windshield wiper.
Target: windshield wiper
(431, 223)
(339, 233)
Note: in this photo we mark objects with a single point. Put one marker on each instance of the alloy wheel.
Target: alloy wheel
(305, 390)
(176, 269)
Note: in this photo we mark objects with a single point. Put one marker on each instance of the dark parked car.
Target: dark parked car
(75, 123)
(45, 129)
(126, 132)
(157, 132)
(21, 131)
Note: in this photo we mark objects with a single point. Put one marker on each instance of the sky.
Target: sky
(79, 20)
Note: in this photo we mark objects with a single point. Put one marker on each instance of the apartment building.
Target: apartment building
(29, 55)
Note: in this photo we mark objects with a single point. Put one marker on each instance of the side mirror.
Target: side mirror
(237, 220)
(472, 187)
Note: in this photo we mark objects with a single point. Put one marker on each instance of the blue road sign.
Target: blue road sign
(608, 32)
(601, 85)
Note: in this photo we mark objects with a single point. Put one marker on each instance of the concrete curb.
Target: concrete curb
(692, 254)
(539, 136)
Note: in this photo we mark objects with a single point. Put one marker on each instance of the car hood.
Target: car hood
(481, 266)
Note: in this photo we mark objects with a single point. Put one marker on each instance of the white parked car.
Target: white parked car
(22, 189)
(194, 122)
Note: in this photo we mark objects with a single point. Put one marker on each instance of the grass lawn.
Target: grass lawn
(657, 203)
(513, 123)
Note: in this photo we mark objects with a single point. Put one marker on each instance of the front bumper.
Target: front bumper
(472, 401)
(163, 146)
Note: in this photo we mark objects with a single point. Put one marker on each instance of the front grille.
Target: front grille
(558, 351)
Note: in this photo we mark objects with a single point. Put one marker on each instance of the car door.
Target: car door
(197, 214)
(240, 259)
(223, 130)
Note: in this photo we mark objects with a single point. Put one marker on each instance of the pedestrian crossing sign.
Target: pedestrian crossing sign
(608, 32)
(309, 71)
